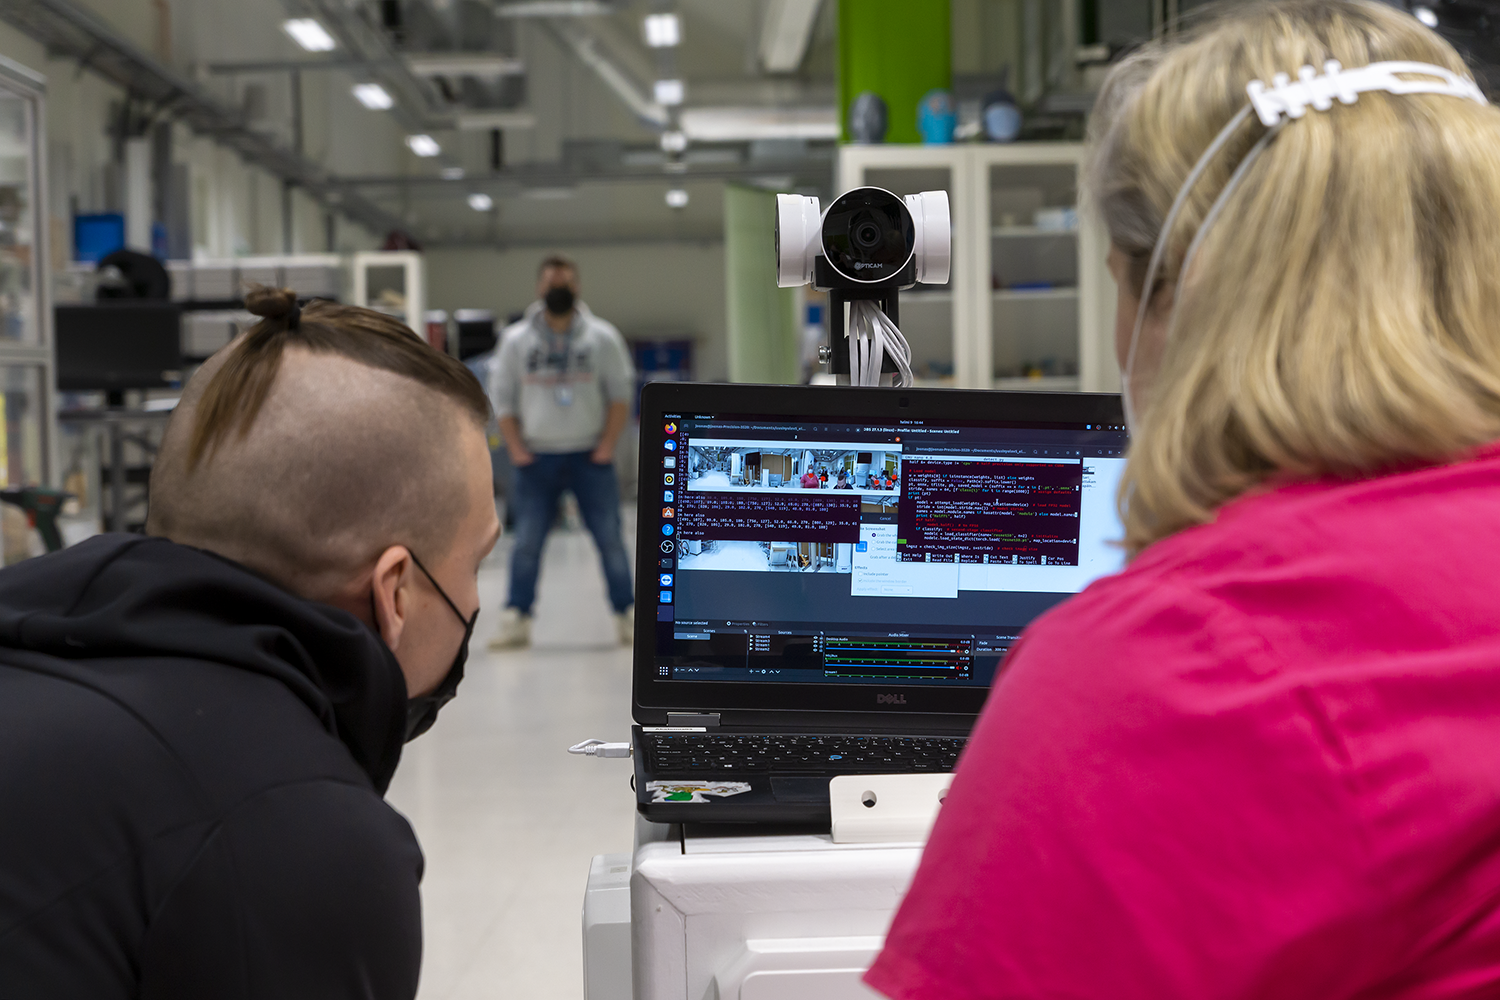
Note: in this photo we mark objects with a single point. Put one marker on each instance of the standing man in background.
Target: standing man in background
(561, 386)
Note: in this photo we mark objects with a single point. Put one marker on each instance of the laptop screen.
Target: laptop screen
(848, 550)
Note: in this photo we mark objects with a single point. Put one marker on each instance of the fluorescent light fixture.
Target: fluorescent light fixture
(785, 30)
(309, 34)
(1426, 15)
(668, 93)
(481, 202)
(423, 145)
(548, 193)
(459, 64)
(474, 121)
(553, 8)
(373, 96)
(673, 142)
(677, 198)
(662, 31)
(452, 173)
(732, 124)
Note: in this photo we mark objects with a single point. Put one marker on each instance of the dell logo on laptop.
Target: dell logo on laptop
(890, 699)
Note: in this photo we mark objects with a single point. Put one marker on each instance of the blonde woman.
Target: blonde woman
(1264, 760)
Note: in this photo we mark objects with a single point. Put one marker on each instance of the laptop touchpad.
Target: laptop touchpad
(799, 789)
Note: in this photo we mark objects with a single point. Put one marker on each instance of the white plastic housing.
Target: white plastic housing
(798, 239)
(934, 236)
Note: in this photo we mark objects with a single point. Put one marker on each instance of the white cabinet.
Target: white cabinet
(1029, 304)
(392, 282)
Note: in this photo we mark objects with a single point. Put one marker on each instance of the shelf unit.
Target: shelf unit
(1027, 306)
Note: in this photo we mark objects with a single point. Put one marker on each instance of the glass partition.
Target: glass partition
(18, 301)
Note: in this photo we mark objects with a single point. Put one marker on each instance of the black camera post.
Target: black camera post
(841, 292)
(868, 246)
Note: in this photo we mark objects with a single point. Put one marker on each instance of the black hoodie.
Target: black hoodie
(191, 769)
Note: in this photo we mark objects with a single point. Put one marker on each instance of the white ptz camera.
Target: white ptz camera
(868, 236)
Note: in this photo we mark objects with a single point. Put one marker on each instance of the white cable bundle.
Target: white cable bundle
(872, 336)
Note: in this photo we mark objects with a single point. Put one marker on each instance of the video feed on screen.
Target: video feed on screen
(756, 466)
(896, 540)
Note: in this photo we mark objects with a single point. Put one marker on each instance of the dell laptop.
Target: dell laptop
(828, 578)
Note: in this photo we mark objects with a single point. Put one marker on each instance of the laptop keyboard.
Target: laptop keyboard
(693, 752)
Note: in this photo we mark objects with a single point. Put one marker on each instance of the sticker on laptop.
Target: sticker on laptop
(693, 791)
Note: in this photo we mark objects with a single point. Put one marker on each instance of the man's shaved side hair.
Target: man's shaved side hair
(316, 440)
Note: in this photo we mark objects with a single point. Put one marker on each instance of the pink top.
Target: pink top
(1264, 761)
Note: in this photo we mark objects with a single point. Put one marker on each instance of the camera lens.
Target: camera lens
(868, 235)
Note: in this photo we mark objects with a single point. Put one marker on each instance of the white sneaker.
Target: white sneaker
(625, 627)
(514, 631)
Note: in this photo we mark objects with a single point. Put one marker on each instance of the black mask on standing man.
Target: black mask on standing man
(422, 711)
(559, 300)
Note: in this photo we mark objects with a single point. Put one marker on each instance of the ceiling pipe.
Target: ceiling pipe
(571, 37)
(555, 175)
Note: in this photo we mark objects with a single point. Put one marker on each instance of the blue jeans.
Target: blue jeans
(538, 488)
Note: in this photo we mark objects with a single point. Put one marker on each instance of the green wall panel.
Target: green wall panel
(763, 332)
(900, 49)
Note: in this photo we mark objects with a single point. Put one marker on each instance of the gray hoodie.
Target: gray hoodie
(559, 387)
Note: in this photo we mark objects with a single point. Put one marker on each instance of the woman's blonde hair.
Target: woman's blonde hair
(1342, 315)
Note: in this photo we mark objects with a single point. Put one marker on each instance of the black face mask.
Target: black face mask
(559, 300)
(422, 711)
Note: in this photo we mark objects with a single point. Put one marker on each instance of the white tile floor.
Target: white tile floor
(507, 819)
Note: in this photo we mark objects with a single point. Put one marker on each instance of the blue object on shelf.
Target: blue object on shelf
(1002, 119)
(936, 118)
(98, 235)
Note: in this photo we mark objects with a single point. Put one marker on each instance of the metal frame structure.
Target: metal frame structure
(70, 30)
(32, 87)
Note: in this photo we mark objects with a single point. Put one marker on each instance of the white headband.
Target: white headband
(1290, 99)
(1318, 92)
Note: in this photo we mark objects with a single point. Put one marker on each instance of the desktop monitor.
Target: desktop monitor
(118, 345)
(97, 236)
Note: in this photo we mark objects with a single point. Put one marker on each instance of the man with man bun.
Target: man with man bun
(197, 726)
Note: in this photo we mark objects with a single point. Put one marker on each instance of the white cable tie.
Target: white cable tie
(599, 748)
(1284, 96)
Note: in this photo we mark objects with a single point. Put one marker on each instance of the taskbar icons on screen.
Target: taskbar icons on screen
(670, 445)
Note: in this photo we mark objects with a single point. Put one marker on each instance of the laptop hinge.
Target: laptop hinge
(708, 720)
